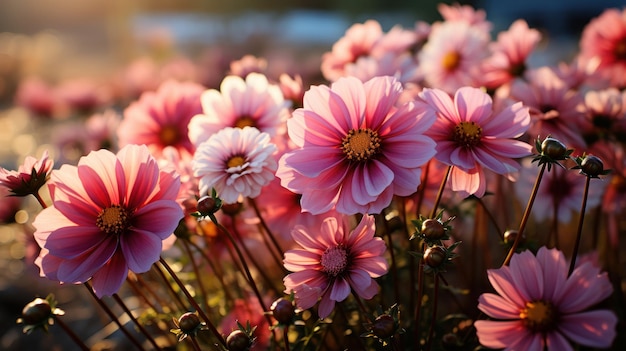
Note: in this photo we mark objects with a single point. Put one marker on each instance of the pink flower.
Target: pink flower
(159, 119)
(108, 215)
(464, 13)
(248, 64)
(555, 109)
(538, 307)
(29, 177)
(236, 162)
(509, 54)
(452, 56)
(334, 261)
(473, 136)
(37, 96)
(356, 149)
(605, 38)
(606, 112)
(252, 102)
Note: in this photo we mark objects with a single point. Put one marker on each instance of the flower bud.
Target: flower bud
(232, 209)
(592, 166)
(509, 237)
(384, 326)
(554, 149)
(36, 312)
(207, 205)
(435, 256)
(238, 341)
(432, 229)
(189, 323)
(283, 311)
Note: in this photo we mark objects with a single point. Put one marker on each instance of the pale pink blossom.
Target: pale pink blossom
(473, 136)
(37, 96)
(539, 307)
(355, 147)
(160, 119)
(452, 56)
(29, 177)
(465, 13)
(253, 102)
(606, 113)
(248, 64)
(108, 215)
(237, 162)
(333, 261)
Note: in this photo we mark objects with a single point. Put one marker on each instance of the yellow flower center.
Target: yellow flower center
(113, 220)
(235, 161)
(334, 260)
(539, 316)
(360, 144)
(467, 134)
(169, 135)
(245, 121)
(451, 61)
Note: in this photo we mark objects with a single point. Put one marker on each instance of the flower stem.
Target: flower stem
(194, 343)
(394, 267)
(440, 192)
(286, 337)
(420, 295)
(267, 228)
(193, 302)
(40, 199)
(434, 315)
(111, 315)
(143, 330)
(77, 340)
(579, 231)
(196, 271)
(526, 216)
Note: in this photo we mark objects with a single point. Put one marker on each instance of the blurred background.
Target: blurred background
(83, 46)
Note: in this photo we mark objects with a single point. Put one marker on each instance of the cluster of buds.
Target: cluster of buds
(432, 230)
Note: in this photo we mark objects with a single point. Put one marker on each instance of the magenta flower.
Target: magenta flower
(236, 162)
(253, 102)
(334, 261)
(538, 307)
(159, 119)
(29, 177)
(356, 149)
(108, 215)
(472, 137)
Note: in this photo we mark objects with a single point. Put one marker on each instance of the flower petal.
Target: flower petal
(110, 277)
(592, 328)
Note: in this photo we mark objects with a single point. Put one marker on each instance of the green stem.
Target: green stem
(579, 231)
(526, 216)
(143, 330)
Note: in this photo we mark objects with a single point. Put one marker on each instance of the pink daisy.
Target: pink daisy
(159, 119)
(472, 136)
(464, 13)
(509, 54)
(334, 261)
(108, 215)
(239, 103)
(555, 109)
(605, 38)
(606, 112)
(248, 64)
(29, 177)
(236, 162)
(538, 307)
(356, 149)
(452, 56)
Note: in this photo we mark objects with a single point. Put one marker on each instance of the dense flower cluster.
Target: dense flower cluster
(377, 209)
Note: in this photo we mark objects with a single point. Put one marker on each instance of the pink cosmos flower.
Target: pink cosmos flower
(606, 112)
(37, 96)
(108, 215)
(605, 38)
(236, 162)
(159, 119)
(292, 89)
(472, 136)
(538, 307)
(555, 109)
(464, 13)
(356, 149)
(29, 177)
(251, 102)
(509, 54)
(452, 56)
(334, 261)
(248, 64)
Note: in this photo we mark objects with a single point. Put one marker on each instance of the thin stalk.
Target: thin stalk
(286, 337)
(440, 192)
(265, 226)
(193, 302)
(394, 267)
(526, 215)
(218, 273)
(140, 292)
(420, 295)
(181, 304)
(579, 231)
(492, 219)
(77, 340)
(142, 329)
(434, 315)
(196, 271)
(113, 317)
(40, 199)
(194, 343)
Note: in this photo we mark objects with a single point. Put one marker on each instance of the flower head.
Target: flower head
(236, 162)
(333, 261)
(29, 177)
(356, 148)
(472, 137)
(539, 307)
(159, 119)
(108, 215)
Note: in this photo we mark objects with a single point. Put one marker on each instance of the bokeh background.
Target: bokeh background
(95, 42)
